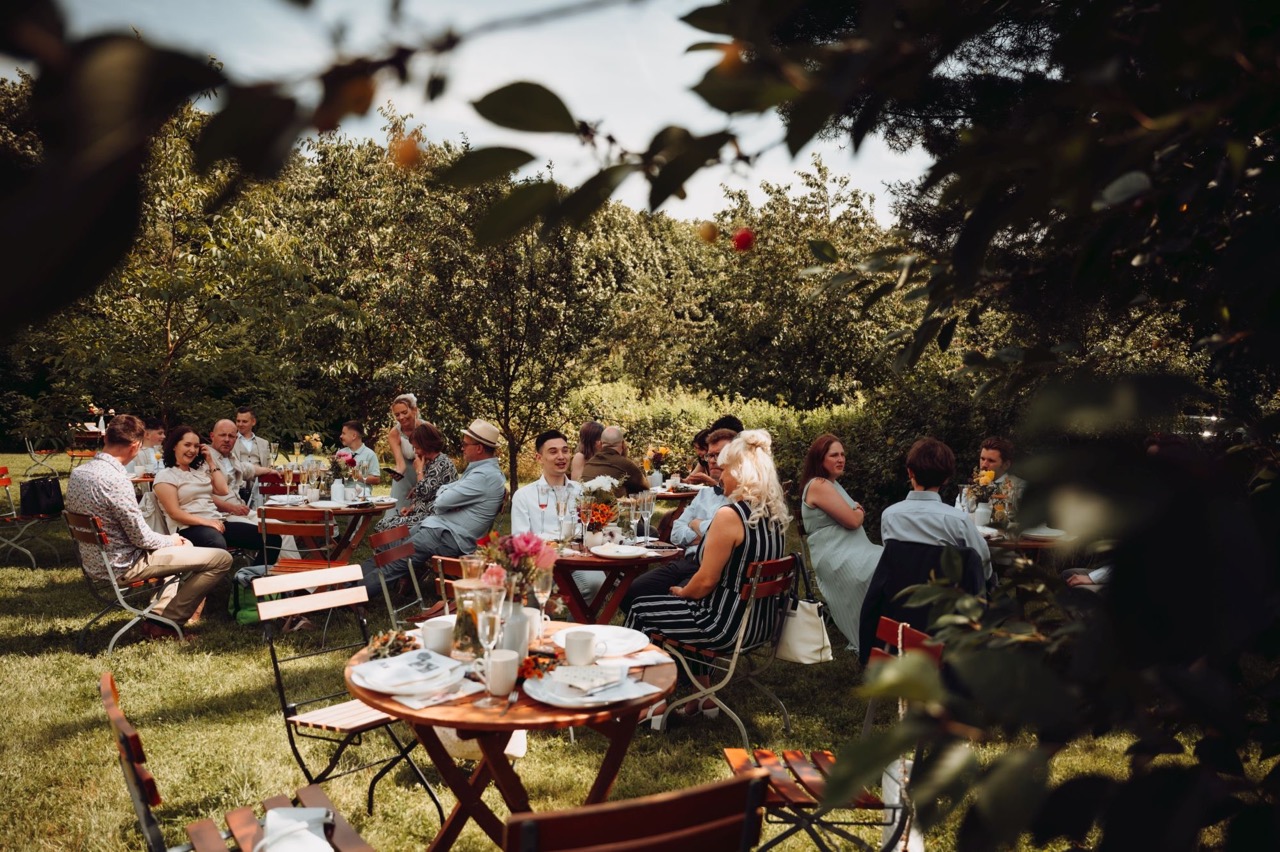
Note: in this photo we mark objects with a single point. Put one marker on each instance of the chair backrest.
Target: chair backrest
(86, 530)
(139, 780)
(721, 816)
(305, 525)
(390, 545)
(341, 594)
(270, 484)
(888, 631)
(6, 481)
(448, 569)
(770, 577)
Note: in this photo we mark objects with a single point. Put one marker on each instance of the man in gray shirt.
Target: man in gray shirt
(464, 510)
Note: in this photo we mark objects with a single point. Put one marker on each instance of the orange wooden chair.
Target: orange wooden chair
(312, 531)
(244, 828)
(798, 782)
(714, 817)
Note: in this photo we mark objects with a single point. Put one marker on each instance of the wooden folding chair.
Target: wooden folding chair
(724, 815)
(332, 717)
(388, 546)
(312, 531)
(769, 579)
(138, 598)
(14, 525)
(798, 782)
(244, 828)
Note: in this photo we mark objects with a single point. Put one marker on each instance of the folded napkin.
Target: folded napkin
(624, 690)
(652, 657)
(462, 690)
(294, 830)
(411, 669)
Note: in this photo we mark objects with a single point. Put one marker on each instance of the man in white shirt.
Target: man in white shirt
(352, 437)
(551, 451)
(996, 454)
(688, 531)
(248, 446)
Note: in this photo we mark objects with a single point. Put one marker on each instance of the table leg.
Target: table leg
(578, 607)
(467, 788)
(617, 585)
(504, 775)
(350, 538)
(619, 733)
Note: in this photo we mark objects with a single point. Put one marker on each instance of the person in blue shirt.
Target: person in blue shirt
(463, 512)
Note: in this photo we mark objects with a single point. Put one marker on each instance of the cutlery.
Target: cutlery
(511, 700)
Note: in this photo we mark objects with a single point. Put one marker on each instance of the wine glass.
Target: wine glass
(274, 447)
(543, 499)
(544, 583)
(288, 477)
(489, 632)
(297, 448)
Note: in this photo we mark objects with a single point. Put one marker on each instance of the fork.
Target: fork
(511, 700)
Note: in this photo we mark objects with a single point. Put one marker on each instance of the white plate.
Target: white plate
(1042, 532)
(562, 695)
(447, 682)
(286, 500)
(617, 551)
(383, 501)
(988, 532)
(619, 641)
(327, 504)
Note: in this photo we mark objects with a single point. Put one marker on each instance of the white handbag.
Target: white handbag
(803, 637)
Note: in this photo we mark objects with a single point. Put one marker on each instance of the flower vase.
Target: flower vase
(655, 480)
(592, 538)
(338, 492)
(612, 534)
(515, 628)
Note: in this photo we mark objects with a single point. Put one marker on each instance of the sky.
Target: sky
(625, 66)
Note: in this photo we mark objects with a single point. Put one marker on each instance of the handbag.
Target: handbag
(803, 638)
(41, 496)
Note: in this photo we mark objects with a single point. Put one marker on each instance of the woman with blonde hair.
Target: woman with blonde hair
(707, 612)
(404, 409)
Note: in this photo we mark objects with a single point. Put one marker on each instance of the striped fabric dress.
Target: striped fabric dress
(713, 621)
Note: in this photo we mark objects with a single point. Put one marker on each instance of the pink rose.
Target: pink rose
(526, 544)
(494, 575)
(545, 559)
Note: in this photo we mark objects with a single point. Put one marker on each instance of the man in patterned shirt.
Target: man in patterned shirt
(101, 487)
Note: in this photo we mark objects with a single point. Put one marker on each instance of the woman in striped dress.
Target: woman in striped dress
(843, 557)
(706, 612)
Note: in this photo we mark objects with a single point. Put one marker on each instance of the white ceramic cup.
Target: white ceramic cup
(982, 515)
(535, 620)
(503, 667)
(581, 648)
(437, 635)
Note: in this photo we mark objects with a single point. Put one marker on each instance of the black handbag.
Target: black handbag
(41, 496)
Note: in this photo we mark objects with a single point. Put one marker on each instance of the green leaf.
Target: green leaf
(684, 155)
(944, 336)
(1010, 795)
(483, 164)
(747, 89)
(515, 211)
(589, 197)
(708, 45)
(1072, 808)
(946, 772)
(710, 19)
(256, 128)
(807, 115)
(823, 251)
(860, 762)
(913, 676)
(526, 106)
(1129, 185)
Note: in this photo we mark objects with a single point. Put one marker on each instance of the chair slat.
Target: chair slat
(275, 585)
(205, 837)
(302, 604)
(813, 781)
(244, 827)
(345, 718)
(740, 761)
(780, 779)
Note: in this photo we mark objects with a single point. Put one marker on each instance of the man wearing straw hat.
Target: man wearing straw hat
(464, 510)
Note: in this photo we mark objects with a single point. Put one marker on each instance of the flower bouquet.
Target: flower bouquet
(597, 508)
(343, 465)
(656, 458)
(513, 559)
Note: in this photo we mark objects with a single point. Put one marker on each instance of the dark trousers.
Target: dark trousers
(239, 535)
(659, 581)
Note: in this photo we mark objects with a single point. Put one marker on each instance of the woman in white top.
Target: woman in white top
(185, 490)
(404, 409)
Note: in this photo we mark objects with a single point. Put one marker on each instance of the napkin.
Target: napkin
(651, 657)
(417, 702)
(294, 830)
(625, 690)
(412, 669)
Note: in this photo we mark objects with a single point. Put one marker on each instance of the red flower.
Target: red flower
(744, 239)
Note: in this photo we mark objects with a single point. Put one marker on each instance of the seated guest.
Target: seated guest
(352, 437)
(432, 468)
(699, 474)
(708, 611)
(134, 551)
(551, 451)
(922, 517)
(223, 439)
(249, 450)
(996, 454)
(612, 461)
(844, 559)
(588, 446)
(151, 453)
(727, 421)
(186, 489)
(688, 531)
(464, 510)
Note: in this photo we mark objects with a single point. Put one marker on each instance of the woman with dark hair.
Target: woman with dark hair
(432, 469)
(843, 557)
(185, 490)
(700, 473)
(588, 446)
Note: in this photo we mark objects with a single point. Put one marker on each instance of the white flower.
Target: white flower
(600, 483)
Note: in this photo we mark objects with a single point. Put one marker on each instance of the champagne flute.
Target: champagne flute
(543, 499)
(489, 632)
(544, 582)
(288, 477)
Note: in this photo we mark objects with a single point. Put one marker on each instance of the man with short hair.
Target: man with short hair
(551, 451)
(996, 454)
(151, 453)
(463, 512)
(689, 529)
(134, 551)
(923, 517)
(222, 437)
(612, 461)
(248, 446)
(352, 437)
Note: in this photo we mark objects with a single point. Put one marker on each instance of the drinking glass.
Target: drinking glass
(275, 449)
(544, 582)
(626, 511)
(544, 499)
(489, 631)
(297, 449)
(288, 477)
(472, 566)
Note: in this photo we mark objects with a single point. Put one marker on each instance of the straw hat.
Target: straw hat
(484, 432)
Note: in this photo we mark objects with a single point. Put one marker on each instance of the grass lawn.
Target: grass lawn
(209, 719)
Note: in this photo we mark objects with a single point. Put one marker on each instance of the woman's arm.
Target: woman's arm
(576, 464)
(397, 454)
(821, 494)
(167, 497)
(722, 538)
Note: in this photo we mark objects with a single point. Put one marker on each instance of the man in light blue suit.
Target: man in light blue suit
(464, 510)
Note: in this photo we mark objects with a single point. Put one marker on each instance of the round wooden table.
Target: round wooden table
(491, 728)
(676, 495)
(619, 574)
(360, 517)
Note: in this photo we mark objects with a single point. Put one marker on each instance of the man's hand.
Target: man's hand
(182, 542)
(1079, 580)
